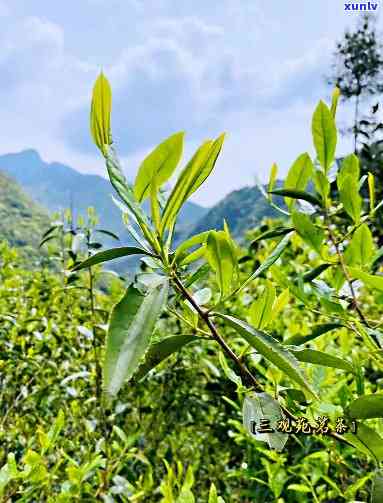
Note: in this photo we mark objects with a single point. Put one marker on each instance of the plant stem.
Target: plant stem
(245, 372)
(247, 375)
(99, 397)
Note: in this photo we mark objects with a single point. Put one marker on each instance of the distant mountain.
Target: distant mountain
(242, 209)
(57, 187)
(22, 221)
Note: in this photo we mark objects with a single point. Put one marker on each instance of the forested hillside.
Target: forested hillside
(22, 221)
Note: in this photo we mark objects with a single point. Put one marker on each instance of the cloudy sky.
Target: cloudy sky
(252, 68)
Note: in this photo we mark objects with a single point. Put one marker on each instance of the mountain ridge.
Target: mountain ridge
(57, 186)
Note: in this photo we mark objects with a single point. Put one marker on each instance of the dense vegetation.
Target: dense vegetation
(21, 220)
(146, 391)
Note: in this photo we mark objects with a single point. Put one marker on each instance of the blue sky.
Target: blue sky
(252, 68)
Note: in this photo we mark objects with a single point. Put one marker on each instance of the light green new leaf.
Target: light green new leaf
(321, 183)
(280, 303)
(298, 176)
(371, 190)
(273, 177)
(160, 163)
(219, 254)
(350, 198)
(182, 249)
(320, 358)
(193, 256)
(370, 280)
(159, 351)
(271, 349)
(361, 247)
(130, 327)
(259, 406)
(191, 178)
(111, 254)
(310, 234)
(260, 311)
(100, 113)
(349, 167)
(334, 101)
(367, 407)
(324, 135)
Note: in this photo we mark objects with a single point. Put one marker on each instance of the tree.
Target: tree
(358, 67)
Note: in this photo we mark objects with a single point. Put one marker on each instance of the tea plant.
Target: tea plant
(170, 286)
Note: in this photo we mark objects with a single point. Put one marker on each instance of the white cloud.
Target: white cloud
(199, 69)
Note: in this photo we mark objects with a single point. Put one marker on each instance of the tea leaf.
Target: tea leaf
(298, 176)
(367, 407)
(324, 135)
(190, 179)
(271, 349)
(111, 254)
(219, 254)
(159, 351)
(100, 113)
(159, 164)
(130, 327)
(260, 311)
(308, 231)
(262, 406)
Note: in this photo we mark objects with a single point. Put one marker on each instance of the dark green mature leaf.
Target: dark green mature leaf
(273, 257)
(320, 358)
(319, 330)
(324, 135)
(297, 178)
(201, 273)
(367, 440)
(377, 487)
(51, 229)
(130, 328)
(111, 254)
(45, 240)
(367, 407)
(271, 349)
(298, 194)
(108, 233)
(220, 256)
(100, 113)
(159, 164)
(310, 234)
(161, 350)
(190, 179)
(259, 406)
(273, 233)
(314, 273)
